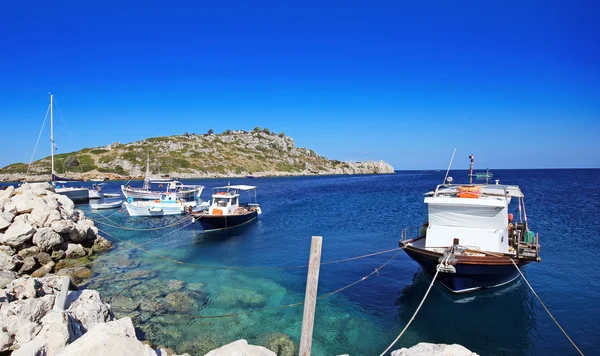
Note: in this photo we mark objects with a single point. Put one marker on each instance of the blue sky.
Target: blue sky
(515, 82)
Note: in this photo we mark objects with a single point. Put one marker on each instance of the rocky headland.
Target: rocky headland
(228, 154)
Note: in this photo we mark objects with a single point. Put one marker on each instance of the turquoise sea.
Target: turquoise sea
(193, 291)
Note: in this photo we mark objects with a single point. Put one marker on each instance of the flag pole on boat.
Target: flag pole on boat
(471, 161)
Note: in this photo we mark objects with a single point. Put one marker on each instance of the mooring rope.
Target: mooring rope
(323, 296)
(101, 258)
(418, 308)
(116, 225)
(544, 305)
(241, 268)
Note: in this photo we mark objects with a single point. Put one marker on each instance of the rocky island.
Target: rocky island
(229, 154)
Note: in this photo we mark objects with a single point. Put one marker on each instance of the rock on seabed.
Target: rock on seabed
(427, 349)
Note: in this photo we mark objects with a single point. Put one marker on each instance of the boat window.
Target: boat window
(234, 201)
(222, 202)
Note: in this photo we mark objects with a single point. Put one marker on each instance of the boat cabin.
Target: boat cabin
(225, 201)
(476, 215)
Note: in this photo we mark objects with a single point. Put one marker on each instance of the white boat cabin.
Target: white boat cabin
(476, 215)
(225, 201)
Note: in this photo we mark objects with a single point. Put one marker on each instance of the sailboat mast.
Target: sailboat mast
(52, 137)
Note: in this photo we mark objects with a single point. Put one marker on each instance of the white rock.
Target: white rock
(6, 277)
(10, 211)
(3, 222)
(23, 288)
(66, 205)
(23, 331)
(57, 331)
(17, 234)
(47, 239)
(26, 202)
(40, 213)
(49, 285)
(427, 349)
(28, 309)
(241, 348)
(63, 226)
(53, 216)
(6, 262)
(75, 251)
(6, 194)
(108, 339)
(87, 307)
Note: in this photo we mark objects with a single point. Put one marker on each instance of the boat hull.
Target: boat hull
(75, 194)
(221, 222)
(471, 274)
(111, 205)
(157, 209)
(155, 195)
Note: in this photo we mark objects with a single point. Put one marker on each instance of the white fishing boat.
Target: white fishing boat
(106, 205)
(471, 235)
(152, 189)
(168, 204)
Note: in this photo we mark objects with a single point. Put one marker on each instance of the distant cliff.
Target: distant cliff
(228, 154)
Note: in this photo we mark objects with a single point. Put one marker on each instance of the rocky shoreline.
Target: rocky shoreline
(367, 167)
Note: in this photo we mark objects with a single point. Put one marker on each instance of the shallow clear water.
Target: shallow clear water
(355, 215)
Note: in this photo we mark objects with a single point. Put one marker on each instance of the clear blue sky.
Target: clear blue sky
(515, 82)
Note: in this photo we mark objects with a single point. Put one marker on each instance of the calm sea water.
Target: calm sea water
(355, 215)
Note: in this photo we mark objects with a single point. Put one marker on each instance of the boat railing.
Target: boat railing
(412, 233)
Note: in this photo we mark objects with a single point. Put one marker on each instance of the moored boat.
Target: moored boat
(106, 205)
(146, 192)
(471, 237)
(226, 211)
(168, 204)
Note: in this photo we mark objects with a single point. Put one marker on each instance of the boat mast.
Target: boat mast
(147, 177)
(51, 137)
(471, 161)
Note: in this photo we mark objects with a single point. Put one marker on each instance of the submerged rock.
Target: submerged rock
(241, 347)
(281, 344)
(424, 348)
(182, 302)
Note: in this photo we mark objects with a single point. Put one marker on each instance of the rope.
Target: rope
(116, 225)
(241, 268)
(376, 271)
(126, 250)
(547, 311)
(416, 311)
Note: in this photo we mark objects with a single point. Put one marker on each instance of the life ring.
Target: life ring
(157, 201)
(471, 189)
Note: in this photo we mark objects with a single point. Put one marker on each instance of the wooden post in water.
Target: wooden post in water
(310, 299)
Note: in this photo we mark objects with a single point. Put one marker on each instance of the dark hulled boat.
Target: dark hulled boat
(470, 236)
(226, 211)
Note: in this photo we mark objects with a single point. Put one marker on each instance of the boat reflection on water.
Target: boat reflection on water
(231, 234)
(479, 316)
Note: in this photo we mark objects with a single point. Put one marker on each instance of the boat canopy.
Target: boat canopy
(238, 187)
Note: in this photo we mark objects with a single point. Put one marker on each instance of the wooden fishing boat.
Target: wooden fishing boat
(470, 235)
(226, 211)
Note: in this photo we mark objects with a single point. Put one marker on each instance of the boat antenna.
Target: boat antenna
(450, 165)
(471, 161)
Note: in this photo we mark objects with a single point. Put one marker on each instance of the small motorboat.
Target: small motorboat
(168, 204)
(470, 237)
(106, 205)
(226, 211)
